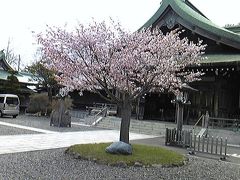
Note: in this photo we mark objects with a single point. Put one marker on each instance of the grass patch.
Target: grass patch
(146, 155)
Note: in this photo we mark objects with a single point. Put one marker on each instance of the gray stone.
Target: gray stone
(120, 164)
(77, 156)
(61, 121)
(119, 148)
(138, 164)
(157, 165)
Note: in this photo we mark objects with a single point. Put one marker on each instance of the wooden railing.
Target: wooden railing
(210, 145)
(93, 120)
(97, 107)
(233, 124)
(178, 138)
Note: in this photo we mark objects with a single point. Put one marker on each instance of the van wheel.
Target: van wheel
(14, 116)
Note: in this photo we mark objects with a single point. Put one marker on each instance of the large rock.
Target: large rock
(61, 121)
(119, 148)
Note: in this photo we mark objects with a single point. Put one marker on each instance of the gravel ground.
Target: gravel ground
(54, 164)
(6, 130)
(44, 123)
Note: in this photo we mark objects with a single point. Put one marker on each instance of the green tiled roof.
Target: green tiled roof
(220, 58)
(23, 77)
(2, 58)
(190, 14)
(235, 29)
(4, 74)
(1, 54)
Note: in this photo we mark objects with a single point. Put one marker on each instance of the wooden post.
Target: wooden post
(206, 120)
(199, 143)
(225, 153)
(178, 139)
(216, 150)
(212, 145)
(216, 102)
(170, 136)
(179, 118)
(203, 141)
(141, 106)
(194, 145)
(166, 138)
(221, 146)
(207, 143)
(190, 143)
(137, 108)
(203, 121)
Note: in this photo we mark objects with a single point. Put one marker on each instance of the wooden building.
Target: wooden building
(27, 82)
(219, 90)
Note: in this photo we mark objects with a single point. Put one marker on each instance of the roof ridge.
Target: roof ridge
(2, 57)
(194, 8)
(190, 14)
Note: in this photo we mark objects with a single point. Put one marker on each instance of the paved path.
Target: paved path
(50, 139)
(32, 142)
(26, 127)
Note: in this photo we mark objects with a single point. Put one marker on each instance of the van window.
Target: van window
(12, 100)
(1, 99)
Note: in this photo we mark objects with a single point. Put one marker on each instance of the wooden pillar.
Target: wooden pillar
(179, 116)
(137, 108)
(239, 99)
(216, 100)
(141, 105)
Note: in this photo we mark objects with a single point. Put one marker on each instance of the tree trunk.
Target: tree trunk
(119, 114)
(125, 115)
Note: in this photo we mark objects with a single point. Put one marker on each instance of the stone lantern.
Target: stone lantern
(181, 100)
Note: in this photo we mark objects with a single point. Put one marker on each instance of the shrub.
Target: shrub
(67, 103)
(39, 103)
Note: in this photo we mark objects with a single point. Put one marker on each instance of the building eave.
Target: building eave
(199, 23)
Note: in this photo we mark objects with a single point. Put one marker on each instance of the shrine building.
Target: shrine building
(219, 90)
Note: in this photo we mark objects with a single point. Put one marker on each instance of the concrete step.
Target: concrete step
(140, 126)
(201, 132)
(135, 126)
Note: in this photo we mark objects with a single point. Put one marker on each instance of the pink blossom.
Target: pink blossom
(105, 57)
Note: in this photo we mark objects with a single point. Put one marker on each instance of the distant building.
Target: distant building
(27, 81)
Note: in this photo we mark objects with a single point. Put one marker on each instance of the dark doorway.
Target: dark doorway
(159, 107)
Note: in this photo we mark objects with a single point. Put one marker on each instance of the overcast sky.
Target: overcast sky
(20, 17)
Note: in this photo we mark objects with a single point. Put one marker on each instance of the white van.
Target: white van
(9, 105)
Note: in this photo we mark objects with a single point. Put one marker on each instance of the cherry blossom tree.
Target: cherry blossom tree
(125, 65)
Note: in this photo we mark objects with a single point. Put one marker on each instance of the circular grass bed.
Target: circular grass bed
(142, 155)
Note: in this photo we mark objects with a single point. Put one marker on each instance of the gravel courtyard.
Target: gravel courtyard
(55, 164)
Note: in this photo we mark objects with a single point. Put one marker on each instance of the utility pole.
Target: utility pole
(19, 62)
